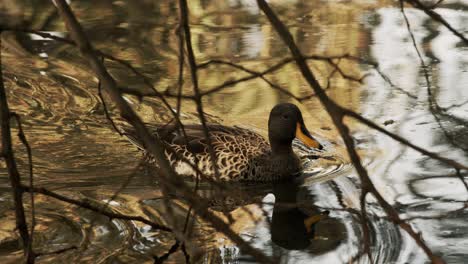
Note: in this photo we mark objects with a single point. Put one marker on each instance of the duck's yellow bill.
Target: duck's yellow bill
(307, 140)
(310, 221)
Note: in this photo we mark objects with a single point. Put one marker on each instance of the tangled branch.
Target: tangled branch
(337, 113)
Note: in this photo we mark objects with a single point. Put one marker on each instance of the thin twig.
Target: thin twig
(180, 78)
(184, 21)
(25, 142)
(436, 4)
(186, 254)
(365, 225)
(462, 179)
(434, 15)
(15, 180)
(172, 250)
(106, 110)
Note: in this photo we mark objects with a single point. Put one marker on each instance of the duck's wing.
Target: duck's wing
(193, 139)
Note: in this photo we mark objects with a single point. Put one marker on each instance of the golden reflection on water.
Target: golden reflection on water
(74, 147)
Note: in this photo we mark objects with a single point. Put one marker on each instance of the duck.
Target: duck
(242, 155)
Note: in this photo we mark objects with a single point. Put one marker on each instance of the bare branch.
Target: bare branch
(24, 141)
(172, 250)
(106, 111)
(365, 225)
(184, 21)
(436, 4)
(13, 173)
(153, 144)
(337, 113)
(434, 15)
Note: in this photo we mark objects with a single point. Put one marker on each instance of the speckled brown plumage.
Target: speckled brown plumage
(241, 154)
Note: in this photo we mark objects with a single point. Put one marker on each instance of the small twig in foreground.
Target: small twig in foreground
(24, 141)
(15, 180)
(172, 250)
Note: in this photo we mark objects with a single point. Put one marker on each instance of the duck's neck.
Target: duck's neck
(281, 148)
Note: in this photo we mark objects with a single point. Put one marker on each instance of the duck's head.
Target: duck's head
(285, 124)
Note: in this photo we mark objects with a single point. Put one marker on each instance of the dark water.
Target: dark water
(77, 153)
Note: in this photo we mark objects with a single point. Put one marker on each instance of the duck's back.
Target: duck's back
(241, 154)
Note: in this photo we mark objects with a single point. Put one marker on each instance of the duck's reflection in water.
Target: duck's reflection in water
(297, 224)
(298, 228)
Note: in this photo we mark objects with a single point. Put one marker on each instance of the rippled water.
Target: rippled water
(77, 153)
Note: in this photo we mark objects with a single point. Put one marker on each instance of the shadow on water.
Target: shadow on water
(294, 229)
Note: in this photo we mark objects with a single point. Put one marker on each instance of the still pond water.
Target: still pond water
(77, 153)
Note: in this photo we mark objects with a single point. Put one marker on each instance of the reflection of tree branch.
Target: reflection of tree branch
(462, 179)
(415, 45)
(153, 92)
(259, 75)
(441, 216)
(404, 141)
(434, 108)
(375, 66)
(282, 63)
(230, 83)
(434, 15)
(337, 113)
(15, 180)
(454, 106)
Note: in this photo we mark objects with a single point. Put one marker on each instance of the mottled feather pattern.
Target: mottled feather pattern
(241, 154)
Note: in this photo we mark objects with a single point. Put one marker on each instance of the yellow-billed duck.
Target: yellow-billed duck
(241, 154)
